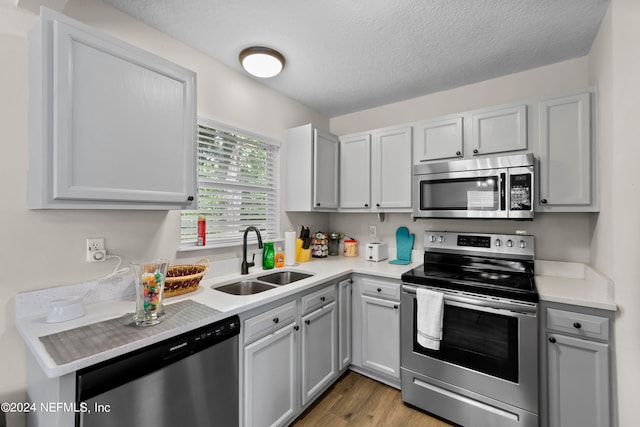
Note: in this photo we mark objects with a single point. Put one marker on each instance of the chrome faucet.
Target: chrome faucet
(244, 269)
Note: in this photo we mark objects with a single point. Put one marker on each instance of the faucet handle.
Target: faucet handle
(253, 261)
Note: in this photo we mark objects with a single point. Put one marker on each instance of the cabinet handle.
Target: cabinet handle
(190, 199)
(458, 153)
(395, 307)
(318, 204)
(296, 327)
(276, 320)
(323, 299)
(377, 205)
(552, 340)
(366, 205)
(577, 325)
(475, 151)
(543, 201)
(307, 322)
(379, 289)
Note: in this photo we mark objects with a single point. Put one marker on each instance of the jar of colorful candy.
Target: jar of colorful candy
(149, 277)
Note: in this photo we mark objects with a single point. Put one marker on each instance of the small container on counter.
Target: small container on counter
(320, 245)
(202, 230)
(351, 247)
(149, 279)
(279, 257)
(268, 256)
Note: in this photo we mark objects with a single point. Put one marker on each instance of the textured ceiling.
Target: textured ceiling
(350, 55)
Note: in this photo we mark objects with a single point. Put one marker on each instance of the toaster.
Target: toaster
(376, 251)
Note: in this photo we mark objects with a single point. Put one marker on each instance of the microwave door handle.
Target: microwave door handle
(503, 183)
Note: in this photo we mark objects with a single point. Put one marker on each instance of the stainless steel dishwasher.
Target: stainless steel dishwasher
(189, 380)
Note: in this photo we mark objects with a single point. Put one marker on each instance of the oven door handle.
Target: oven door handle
(528, 309)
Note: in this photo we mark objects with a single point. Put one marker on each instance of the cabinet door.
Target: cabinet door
(325, 170)
(438, 139)
(121, 127)
(344, 324)
(578, 381)
(391, 169)
(565, 154)
(500, 130)
(271, 393)
(381, 336)
(355, 175)
(319, 350)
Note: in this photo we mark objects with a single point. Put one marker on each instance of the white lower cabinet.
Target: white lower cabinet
(380, 335)
(319, 350)
(576, 367)
(578, 382)
(271, 378)
(290, 356)
(376, 328)
(344, 323)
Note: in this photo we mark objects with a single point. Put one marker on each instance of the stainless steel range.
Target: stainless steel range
(485, 372)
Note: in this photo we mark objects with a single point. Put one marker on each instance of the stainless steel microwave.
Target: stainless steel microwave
(491, 187)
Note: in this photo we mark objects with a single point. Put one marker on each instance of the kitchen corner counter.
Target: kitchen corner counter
(31, 315)
(574, 283)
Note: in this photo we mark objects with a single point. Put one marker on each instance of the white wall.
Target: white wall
(560, 237)
(614, 64)
(40, 249)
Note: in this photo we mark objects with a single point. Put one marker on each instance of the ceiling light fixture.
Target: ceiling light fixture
(261, 61)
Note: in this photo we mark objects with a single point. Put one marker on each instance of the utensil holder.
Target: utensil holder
(302, 255)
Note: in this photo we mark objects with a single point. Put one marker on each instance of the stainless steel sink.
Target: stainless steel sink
(245, 287)
(261, 283)
(284, 277)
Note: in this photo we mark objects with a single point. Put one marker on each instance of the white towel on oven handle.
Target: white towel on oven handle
(429, 318)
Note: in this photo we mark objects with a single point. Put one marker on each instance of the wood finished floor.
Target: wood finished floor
(356, 400)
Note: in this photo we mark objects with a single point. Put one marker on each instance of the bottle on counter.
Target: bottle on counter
(268, 256)
(202, 230)
(279, 257)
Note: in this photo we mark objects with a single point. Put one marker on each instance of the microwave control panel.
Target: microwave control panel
(520, 192)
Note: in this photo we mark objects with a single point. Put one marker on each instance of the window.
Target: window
(237, 186)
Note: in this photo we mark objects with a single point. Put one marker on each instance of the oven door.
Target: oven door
(468, 194)
(489, 347)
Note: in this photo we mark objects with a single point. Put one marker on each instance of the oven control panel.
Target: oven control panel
(509, 244)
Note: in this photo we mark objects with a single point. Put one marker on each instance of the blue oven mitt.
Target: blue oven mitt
(404, 246)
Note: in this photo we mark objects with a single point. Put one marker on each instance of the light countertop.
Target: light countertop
(574, 283)
(32, 326)
(569, 283)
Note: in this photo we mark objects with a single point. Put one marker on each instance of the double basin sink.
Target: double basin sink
(262, 283)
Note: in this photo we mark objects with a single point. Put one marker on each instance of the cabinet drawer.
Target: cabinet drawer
(318, 299)
(268, 322)
(381, 289)
(578, 324)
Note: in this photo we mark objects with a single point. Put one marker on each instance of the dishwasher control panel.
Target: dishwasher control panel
(202, 337)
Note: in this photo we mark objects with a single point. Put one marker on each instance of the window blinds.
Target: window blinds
(237, 187)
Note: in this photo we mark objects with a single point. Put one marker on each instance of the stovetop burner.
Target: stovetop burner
(481, 264)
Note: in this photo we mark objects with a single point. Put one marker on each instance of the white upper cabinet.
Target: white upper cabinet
(111, 126)
(355, 171)
(311, 169)
(566, 155)
(499, 130)
(438, 139)
(376, 171)
(391, 170)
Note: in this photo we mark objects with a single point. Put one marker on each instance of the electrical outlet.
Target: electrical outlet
(372, 231)
(95, 250)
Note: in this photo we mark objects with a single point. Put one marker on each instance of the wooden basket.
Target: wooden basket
(184, 278)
